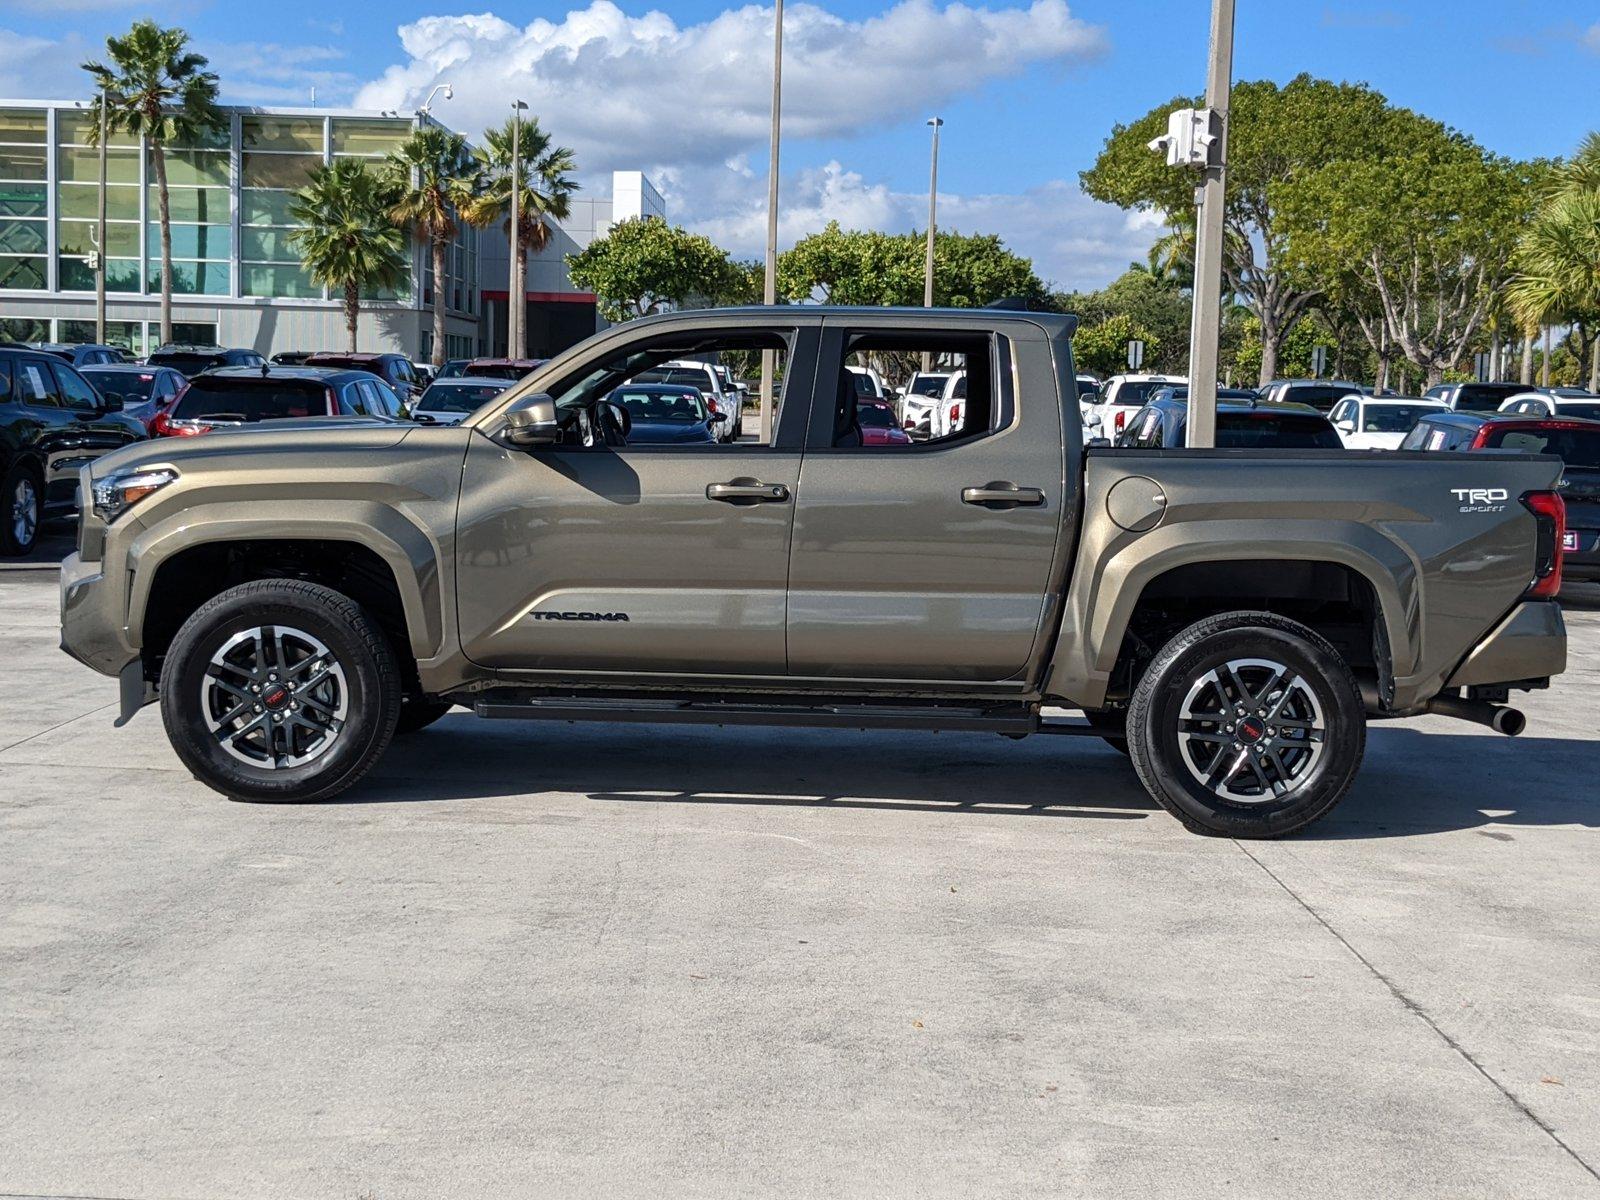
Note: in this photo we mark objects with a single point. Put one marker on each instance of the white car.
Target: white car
(1123, 395)
(1379, 422)
(919, 400)
(1545, 404)
(710, 379)
(950, 414)
(870, 385)
(450, 401)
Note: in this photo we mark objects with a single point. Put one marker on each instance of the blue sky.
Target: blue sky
(1028, 88)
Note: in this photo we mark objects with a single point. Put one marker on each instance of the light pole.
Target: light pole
(515, 338)
(1207, 323)
(427, 105)
(100, 235)
(933, 202)
(769, 289)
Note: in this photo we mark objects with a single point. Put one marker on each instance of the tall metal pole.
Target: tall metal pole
(100, 236)
(1207, 326)
(933, 208)
(515, 338)
(769, 289)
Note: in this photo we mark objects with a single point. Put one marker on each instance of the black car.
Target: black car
(189, 361)
(394, 369)
(52, 422)
(1573, 440)
(1475, 397)
(1242, 424)
(664, 413)
(231, 396)
(143, 390)
(1320, 394)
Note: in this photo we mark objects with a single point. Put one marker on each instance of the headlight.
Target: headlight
(118, 492)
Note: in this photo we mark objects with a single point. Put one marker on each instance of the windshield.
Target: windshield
(1134, 393)
(1393, 418)
(864, 388)
(130, 385)
(1320, 396)
(491, 371)
(1575, 447)
(928, 385)
(222, 399)
(185, 364)
(461, 398)
(1485, 397)
(697, 377)
(875, 416)
(648, 404)
(1255, 430)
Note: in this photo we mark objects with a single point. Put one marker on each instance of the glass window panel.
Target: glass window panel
(77, 237)
(279, 170)
(257, 280)
(205, 139)
(82, 165)
(127, 334)
(266, 208)
(122, 275)
(191, 241)
(77, 128)
(189, 333)
(22, 125)
(81, 200)
(24, 329)
(24, 199)
(193, 278)
(368, 137)
(22, 162)
(195, 168)
(18, 273)
(206, 206)
(283, 133)
(23, 237)
(267, 245)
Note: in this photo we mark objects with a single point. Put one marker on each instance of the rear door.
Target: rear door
(932, 561)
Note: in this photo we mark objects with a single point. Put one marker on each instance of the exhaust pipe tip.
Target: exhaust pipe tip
(1509, 721)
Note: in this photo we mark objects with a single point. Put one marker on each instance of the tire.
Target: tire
(1284, 763)
(419, 714)
(21, 511)
(280, 690)
(1112, 727)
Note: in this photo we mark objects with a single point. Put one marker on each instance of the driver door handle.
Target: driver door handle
(1002, 494)
(747, 491)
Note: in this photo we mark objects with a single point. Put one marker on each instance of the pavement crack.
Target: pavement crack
(1421, 1013)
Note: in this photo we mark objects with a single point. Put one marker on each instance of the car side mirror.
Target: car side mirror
(531, 421)
(1347, 426)
(718, 418)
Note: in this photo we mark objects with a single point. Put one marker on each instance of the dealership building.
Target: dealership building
(237, 279)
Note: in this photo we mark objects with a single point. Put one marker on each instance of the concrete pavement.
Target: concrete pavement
(634, 961)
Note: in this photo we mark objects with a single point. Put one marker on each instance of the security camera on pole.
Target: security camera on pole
(1199, 138)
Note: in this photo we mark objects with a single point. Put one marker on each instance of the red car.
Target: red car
(879, 425)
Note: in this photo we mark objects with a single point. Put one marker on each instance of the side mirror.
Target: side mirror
(531, 421)
(1347, 426)
(718, 418)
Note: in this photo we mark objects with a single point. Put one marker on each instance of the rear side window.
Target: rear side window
(1575, 447)
(251, 400)
(1253, 431)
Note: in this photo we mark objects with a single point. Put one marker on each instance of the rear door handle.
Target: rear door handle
(747, 491)
(1002, 494)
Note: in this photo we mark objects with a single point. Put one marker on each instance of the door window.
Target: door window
(75, 390)
(36, 384)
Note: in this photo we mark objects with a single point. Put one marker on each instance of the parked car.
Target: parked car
(291, 358)
(511, 369)
(1549, 404)
(83, 355)
(879, 425)
(231, 396)
(52, 422)
(1474, 397)
(1574, 440)
(189, 361)
(1123, 395)
(1378, 422)
(394, 369)
(1242, 424)
(144, 391)
(1320, 394)
(448, 401)
(704, 377)
(451, 369)
(668, 414)
(919, 400)
(1235, 618)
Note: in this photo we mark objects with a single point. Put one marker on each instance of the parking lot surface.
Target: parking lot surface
(629, 961)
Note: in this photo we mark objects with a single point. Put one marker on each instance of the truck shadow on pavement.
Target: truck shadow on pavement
(1413, 782)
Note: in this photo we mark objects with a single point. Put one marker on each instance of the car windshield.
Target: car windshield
(1270, 430)
(185, 364)
(647, 404)
(1589, 412)
(864, 386)
(697, 377)
(1319, 395)
(223, 399)
(928, 385)
(1575, 447)
(1393, 418)
(875, 416)
(494, 371)
(1134, 392)
(1485, 397)
(458, 397)
(130, 385)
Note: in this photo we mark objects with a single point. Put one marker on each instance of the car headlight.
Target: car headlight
(121, 490)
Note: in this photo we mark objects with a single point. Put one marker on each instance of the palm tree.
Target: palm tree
(155, 89)
(546, 192)
(347, 238)
(435, 181)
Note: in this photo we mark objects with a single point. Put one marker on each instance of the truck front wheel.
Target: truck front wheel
(1247, 725)
(280, 689)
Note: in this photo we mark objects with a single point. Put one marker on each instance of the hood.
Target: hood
(301, 435)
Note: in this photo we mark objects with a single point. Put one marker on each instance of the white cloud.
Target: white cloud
(268, 73)
(1591, 38)
(36, 67)
(628, 91)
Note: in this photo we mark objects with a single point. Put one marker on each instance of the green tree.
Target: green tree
(347, 238)
(156, 89)
(1279, 135)
(434, 180)
(1103, 347)
(545, 192)
(644, 263)
(869, 267)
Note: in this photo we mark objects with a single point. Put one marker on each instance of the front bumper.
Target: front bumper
(94, 618)
(1531, 643)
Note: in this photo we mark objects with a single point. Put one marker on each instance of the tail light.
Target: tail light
(1550, 516)
(1122, 419)
(711, 403)
(955, 415)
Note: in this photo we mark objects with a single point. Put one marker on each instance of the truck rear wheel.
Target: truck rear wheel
(280, 690)
(1247, 725)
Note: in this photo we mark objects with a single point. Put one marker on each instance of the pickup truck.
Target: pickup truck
(298, 593)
